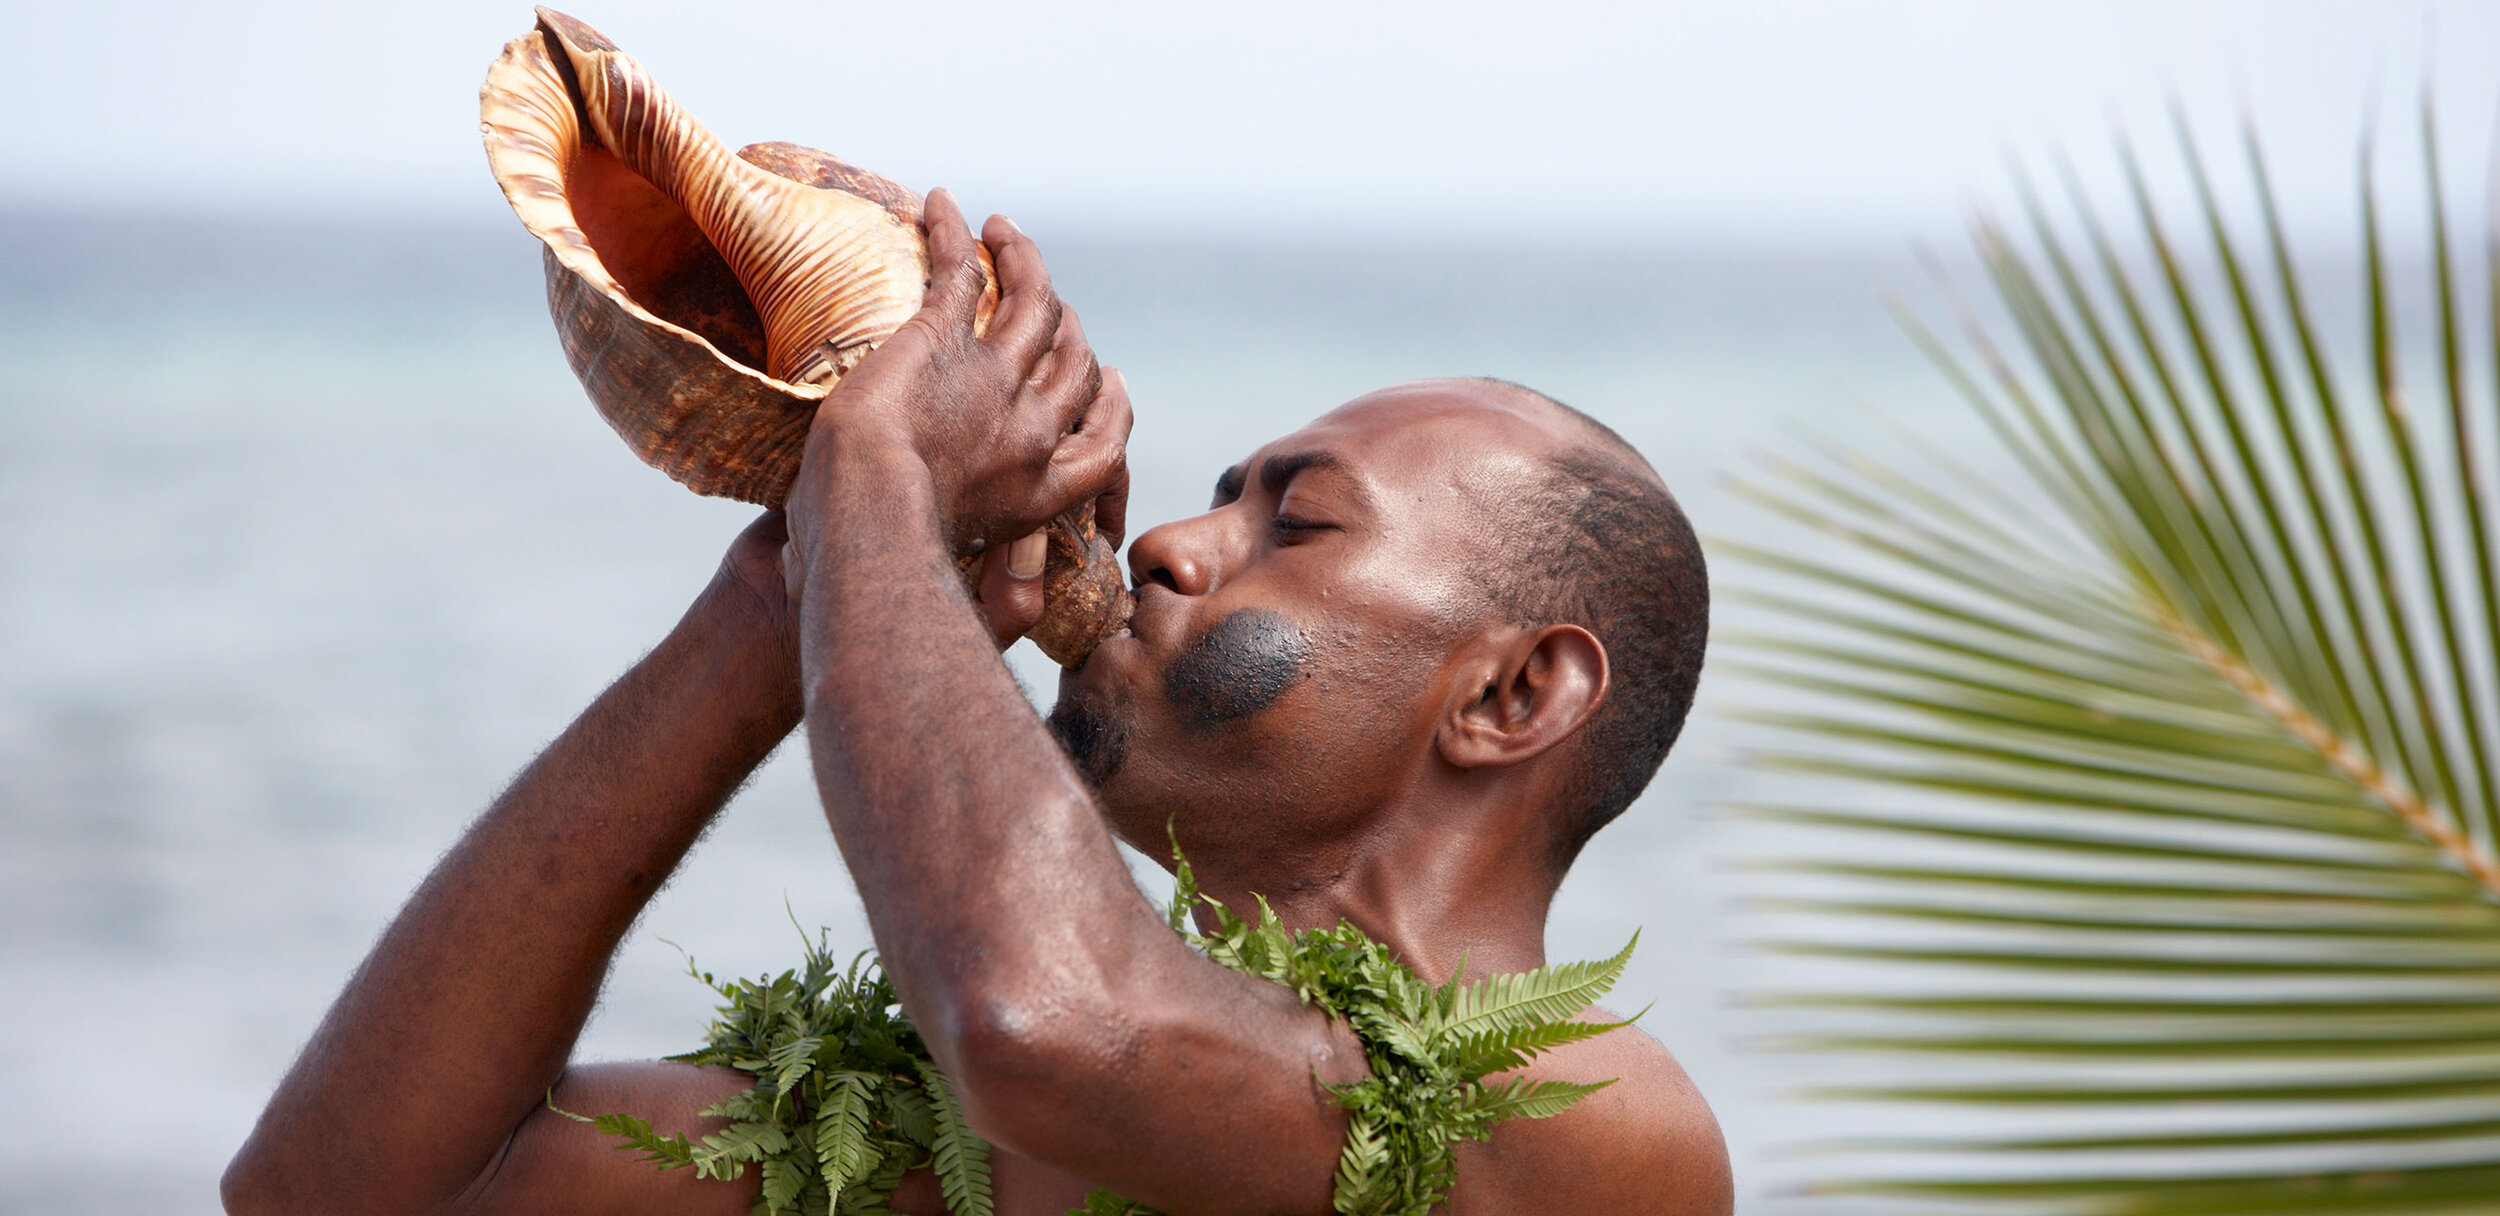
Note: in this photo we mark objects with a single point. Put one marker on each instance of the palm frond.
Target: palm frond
(2147, 833)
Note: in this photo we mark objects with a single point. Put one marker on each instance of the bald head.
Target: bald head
(1571, 526)
(1600, 543)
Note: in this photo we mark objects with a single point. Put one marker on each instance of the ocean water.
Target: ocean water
(308, 540)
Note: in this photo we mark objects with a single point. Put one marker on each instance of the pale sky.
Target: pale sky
(1683, 119)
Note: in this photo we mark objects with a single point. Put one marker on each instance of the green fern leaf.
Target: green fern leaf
(1109, 1203)
(724, 1153)
(1524, 1099)
(791, 1061)
(1360, 1166)
(783, 1180)
(741, 1107)
(843, 1152)
(666, 1152)
(907, 1111)
(1479, 1055)
(1543, 995)
(962, 1159)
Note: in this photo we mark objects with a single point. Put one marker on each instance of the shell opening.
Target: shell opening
(658, 255)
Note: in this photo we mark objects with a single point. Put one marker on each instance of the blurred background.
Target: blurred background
(308, 539)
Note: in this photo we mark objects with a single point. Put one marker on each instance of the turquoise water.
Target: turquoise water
(308, 540)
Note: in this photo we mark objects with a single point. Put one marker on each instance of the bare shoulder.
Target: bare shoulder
(1645, 1144)
(554, 1165)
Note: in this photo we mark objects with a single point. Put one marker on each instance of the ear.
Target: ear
(1528, 691)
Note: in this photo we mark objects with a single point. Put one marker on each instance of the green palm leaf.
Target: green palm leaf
(2152, 803)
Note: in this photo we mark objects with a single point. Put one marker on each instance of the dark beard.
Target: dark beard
(1095, 738)
(1238, 667)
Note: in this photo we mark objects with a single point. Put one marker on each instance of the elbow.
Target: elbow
(260, 1182)
(1031, 1068)
(248, 1188)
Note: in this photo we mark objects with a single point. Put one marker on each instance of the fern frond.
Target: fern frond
(665, 1152)
(1545, 994)
(1525, 1099)
(724, 1153)
(1492, 1051)
(1108, 1203)
(1361, 1167)
(783, 1180)
(789, 1063)
(908, 1110)
(843, 1151)
(962, 1159)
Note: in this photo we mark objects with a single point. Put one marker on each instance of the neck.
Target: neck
(1444, 886)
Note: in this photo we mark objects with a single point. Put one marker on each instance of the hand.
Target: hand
(1008, 585)
(749, 580)
(1012, 425)
(1009, 590)
(748, 606)
(751, 583)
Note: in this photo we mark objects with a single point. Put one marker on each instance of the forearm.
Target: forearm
(1078, 1030)
(467, 1009)
(976, 848)
(1081, 1032)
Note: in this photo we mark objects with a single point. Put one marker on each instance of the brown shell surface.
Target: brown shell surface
(668, 339)
(1085, 597)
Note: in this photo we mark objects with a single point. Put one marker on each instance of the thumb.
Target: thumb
(1011, 587)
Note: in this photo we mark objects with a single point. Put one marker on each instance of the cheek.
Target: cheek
(1238, 668)
(1360, 704)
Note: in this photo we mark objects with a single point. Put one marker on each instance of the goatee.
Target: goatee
(1095, 738)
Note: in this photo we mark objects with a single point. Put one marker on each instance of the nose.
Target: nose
(1183, 555)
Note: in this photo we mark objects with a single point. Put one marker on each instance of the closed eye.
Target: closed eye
(1290, 528)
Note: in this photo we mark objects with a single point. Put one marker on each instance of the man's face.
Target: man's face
(1284, 671)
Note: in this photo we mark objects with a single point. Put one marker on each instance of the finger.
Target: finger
(1093, 462)
(793, 573)
(758, 547)
(1028, 311)
(770, 528)
(1072, 378)
(1011, 587)
(1111, 507)
(956, 279)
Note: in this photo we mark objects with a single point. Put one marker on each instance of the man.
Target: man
(1413, 656)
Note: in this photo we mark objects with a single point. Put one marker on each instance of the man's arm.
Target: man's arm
(460, 1021)
(1078, 1028)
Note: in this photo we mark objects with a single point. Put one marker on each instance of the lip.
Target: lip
(1126, 645)
(1153, 616)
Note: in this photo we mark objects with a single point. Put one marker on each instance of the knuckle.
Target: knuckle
(963, 269)
(1089, 381)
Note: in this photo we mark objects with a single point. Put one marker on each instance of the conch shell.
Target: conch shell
(708, 301)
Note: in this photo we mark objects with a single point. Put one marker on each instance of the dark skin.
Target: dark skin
(1390, 766)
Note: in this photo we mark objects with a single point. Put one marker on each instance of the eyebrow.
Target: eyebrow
(1283, 467)
(1277, 470)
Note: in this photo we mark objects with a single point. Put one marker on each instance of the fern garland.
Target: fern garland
(847, 1100)
(1430, 1046)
